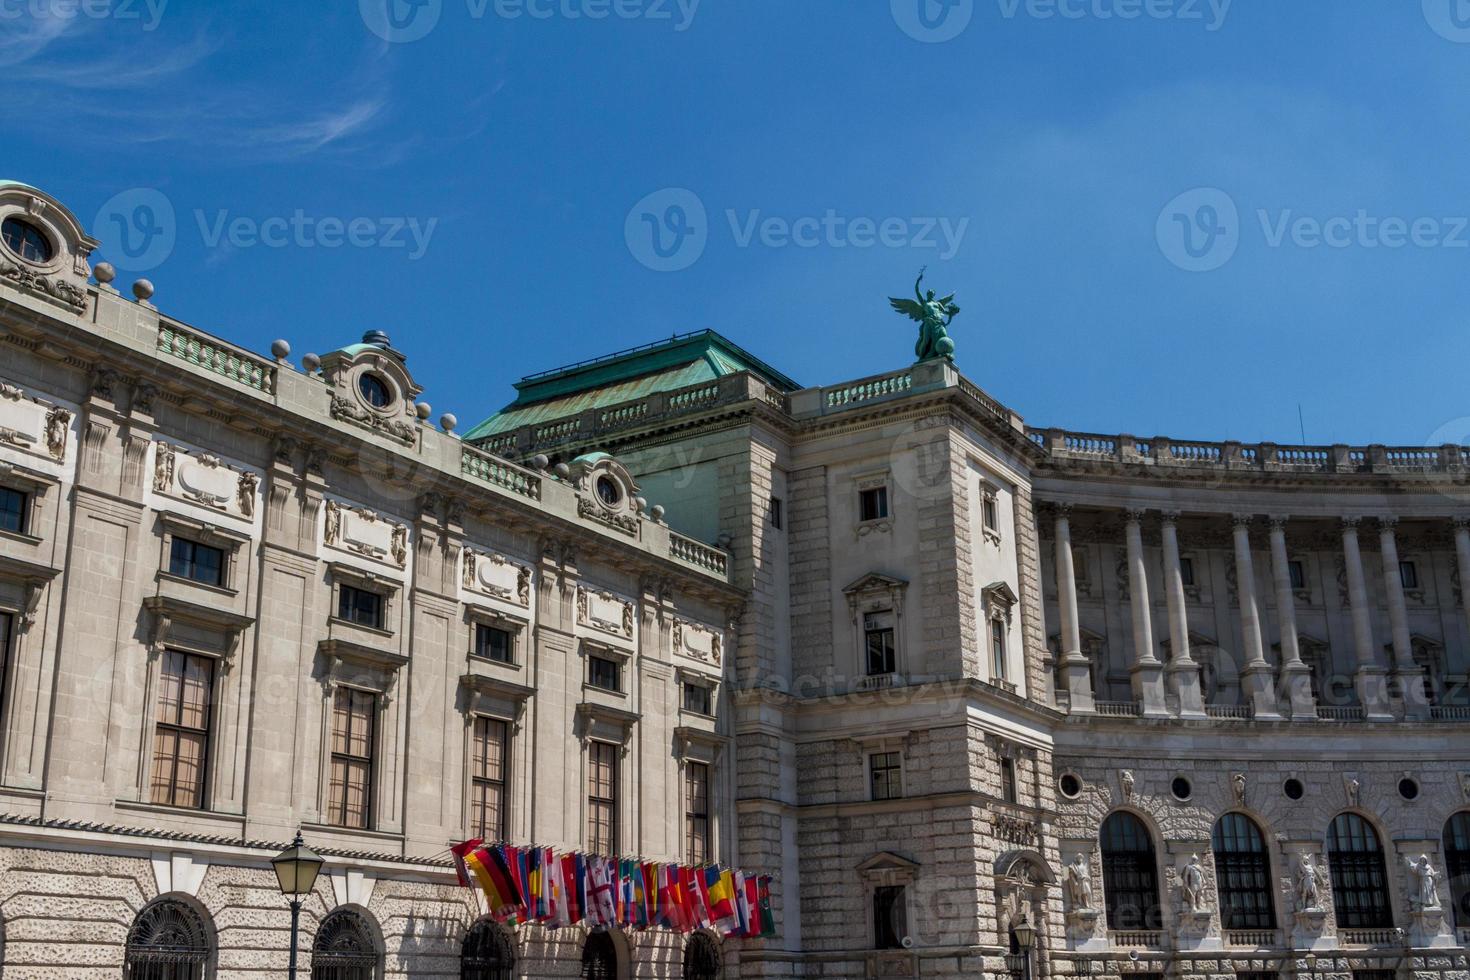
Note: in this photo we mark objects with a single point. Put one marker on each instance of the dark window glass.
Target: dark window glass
(1409, 574)
(349, 802)
(1243, 874)
(603, 673)
(1071, 785)
(886, 769)
(360, 606)
(1180, 788)
(998, 649)
(890, 917)
(13, 506)
(602, 798)
(702, 958)
(599, 957)
(1186, 570)
(698, 699)
(344, 948)
(696, 812)
(878, 639)
(1457, 857)
(488, 953)
(775, 513)
(489, 762)
(181, 729)
(1293, 789)
(1298, 574)
(1408, 789)
(1359, 880)
(494, 643)
(607, 490)
(1008, 789)
(26, 240)
(991, 513)
(374, 391)
(873, 504)
(199, 562)
(168, 941)
(1130, 874)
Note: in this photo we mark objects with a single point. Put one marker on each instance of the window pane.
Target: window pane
(350, 792)
(602, 772)
(696, 793)
(181, 732)
(1243, 874)
(890, 918)
(1130, 874)
(12, 510)
(1359, 878)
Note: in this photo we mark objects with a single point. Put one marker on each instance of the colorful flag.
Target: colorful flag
(571, 872)
(535, 900)
(649, 910)
(768, 915)
(459, 851)
(601, 909)
(696, 902)
(742, 906)
(720, 892)
(491, 870)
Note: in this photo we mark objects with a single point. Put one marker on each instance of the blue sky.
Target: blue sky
(1185, 222)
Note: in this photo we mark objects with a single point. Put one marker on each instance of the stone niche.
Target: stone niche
(205, 481)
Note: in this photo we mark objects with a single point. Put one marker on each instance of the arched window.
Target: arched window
(702, 958)
(487, 953)
(1130, 874)
(1457, 856)
(344, 948)
(1359, 880)
(1243, 873)
(600, 957)
(168, 941)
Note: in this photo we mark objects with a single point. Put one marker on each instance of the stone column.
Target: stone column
(1076, 672)
(1147, 671)
(1260, 679)
(1183, 673)
(1371, 676)
(1462, 563)
(1411, 675)
(1296, 676)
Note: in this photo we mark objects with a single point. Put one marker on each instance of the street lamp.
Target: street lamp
(1312, 965)
(1019, 963)
(296, 870)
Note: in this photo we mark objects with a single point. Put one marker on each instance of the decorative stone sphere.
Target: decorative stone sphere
(945, 347)
(563, 471)
(540, 461)
(280, 350)
(423, 410)
(724, 541)
(641, 503)
(447, 422)
(104, 273)
(311, 363)
(657, 512)
(143, 289)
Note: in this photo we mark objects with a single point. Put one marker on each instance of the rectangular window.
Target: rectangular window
(13, 508)
(602, 798)
(489, 763)
(1409, 574)
(181, 729)
(350, 797)
(873, 504)
(199, 562)
(1298, 574)
(998, 649)
(494, 643)
(990, 512)
(775, 513)
(698, 698)
(1186, 570)
(1008, 791)
(886, 769)
(696, 812)
(604, 674)
(878, 642)
(360, 606)
(890, 917)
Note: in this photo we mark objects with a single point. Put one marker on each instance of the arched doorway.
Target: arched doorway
(344, 948)
(488, 953)
(600, 957)
(169, 940)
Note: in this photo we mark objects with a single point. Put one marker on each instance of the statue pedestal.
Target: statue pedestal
(1082, 931)
(1194, 930)
(1307, 935)
(1427, 929)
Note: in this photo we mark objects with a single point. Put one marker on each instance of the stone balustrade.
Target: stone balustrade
(700, 555)
(1063, 446)
(215, 356)
(1138, 939)
(1372, 937)
(1253, 938)
(498, 472)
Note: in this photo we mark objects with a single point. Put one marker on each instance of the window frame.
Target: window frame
(693, 816)
(23, 525)
(1358, 874)
(191, 562)
(877, 496)
(1243, 877)
(686, 684)
(30, 228)
(616, 666)
(774, 513)
(608, 804)
(368, 763)
(203, 733)
(1010, 779)
(892, 899)
(486, 631)
(885, 768)
(478, 781)
(174, 527)
(890, 655)
(1130, 872)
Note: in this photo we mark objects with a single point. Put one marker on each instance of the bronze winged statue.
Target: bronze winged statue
(933, 316)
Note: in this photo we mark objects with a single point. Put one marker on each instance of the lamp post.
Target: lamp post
(1019, 963)
(1312, 965)
(296, 870)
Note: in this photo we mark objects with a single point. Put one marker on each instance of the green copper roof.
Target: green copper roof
(679, 362)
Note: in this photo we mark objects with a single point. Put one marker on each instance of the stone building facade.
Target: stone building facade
(1177, 709)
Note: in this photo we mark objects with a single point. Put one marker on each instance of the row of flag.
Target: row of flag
(535, 884)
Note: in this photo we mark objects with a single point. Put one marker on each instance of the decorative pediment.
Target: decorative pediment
(605, 612)
(606, 492)
(491, 574)
(887, 868)
(497, 687)
(169, 613)
(60, 276)
(370, 387)
(1024, 866)
(697, 641)
(876, 589)
(205, 481)
(35, 427)
(601, 722)
(363, 532)
(999, 599)
(33, 578)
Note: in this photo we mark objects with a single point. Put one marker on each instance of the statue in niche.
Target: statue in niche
(1079, 883)
(1423, 890)
(1311, 882)
(1192, 885)
(1125, 779)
